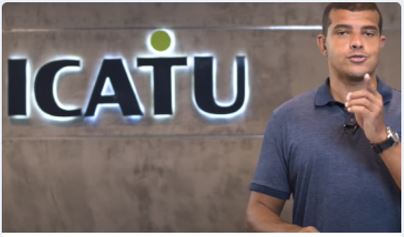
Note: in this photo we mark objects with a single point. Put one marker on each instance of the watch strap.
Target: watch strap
(392, 138)
(379, 148)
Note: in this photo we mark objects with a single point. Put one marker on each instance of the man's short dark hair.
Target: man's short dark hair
(350, 7)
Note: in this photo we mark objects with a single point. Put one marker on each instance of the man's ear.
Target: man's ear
(382, 41)
(321, 44)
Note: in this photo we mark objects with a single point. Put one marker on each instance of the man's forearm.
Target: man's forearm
(392, 159)
(260, 218)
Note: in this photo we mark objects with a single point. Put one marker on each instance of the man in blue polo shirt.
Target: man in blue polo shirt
(336, 149)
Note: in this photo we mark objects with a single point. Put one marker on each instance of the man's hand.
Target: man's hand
(309, 229)
(367, 105)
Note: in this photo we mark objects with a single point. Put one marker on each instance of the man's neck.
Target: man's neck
(339, 87)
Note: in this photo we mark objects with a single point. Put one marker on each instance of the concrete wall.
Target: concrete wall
(187, 173)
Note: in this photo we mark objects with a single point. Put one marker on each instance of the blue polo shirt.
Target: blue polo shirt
(337, 181)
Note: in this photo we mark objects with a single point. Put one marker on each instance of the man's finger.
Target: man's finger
(358, 110)
(361, 94)
(368, 83)
(360, 102)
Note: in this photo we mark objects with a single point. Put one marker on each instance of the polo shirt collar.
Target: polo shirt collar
(323, 95)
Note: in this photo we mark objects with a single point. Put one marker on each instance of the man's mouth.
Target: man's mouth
(357, 58)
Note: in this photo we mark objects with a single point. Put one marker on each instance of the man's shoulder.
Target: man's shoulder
(396, 95)
(300, 103)
(389, 92)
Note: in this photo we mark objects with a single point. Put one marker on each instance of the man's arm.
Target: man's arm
(392, 159)
(263, 214)
(367, 105)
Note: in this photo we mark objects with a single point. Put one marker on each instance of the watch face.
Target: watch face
(396, 137)
(392, 134)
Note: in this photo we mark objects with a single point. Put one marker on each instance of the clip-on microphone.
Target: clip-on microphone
(351, 124)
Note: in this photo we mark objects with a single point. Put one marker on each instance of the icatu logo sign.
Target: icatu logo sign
(113, 86)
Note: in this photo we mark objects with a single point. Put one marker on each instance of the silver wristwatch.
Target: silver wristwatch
(392, 139)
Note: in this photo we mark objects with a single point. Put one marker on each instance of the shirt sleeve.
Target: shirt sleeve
(271, 174)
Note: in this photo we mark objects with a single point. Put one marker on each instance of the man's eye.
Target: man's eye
(342, 33)
(370, 34)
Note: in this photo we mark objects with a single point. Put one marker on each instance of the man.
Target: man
(336, 149)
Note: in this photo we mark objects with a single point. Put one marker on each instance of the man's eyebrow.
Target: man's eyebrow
(343, 26)
(370, 28)
(367, 27)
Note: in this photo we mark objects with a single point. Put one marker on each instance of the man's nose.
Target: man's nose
(356, 42)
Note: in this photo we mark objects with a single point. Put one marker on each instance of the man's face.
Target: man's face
(353, 43)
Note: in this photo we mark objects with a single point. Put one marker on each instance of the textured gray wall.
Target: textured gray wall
(182, 174)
